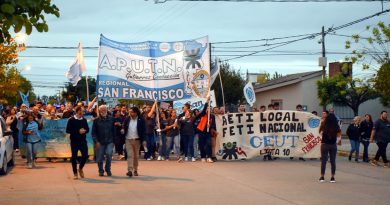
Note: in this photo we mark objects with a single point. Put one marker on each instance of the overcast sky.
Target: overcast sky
(139, 20)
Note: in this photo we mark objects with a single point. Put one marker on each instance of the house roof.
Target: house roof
(286, 80)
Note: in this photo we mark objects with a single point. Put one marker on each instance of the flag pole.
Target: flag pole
(220, 82)
(209, 105)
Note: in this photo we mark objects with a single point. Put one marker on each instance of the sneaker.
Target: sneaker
(209, 160)
(203, 160)
(29, 165)
(349, 158)
(109, 174)
(129, 174)
(159, 158)
(186, 159)
(101, 174)
(322, 179)
(121, 157)
(149, 159)
(193, 159)
(75, 177)
(81, 173)
(162, 158)
(356, 160)
(136, 173)
(332, 180)
(374, 163)
(180, 159)
(214, 159)
(302, 159)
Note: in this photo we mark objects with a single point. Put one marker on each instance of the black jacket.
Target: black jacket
(353, 132)
(140, 127)
(73, 128)
(103, 130)
(365, 130)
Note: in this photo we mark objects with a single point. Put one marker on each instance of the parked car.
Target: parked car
(6, 148)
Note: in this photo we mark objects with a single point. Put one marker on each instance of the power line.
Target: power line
(330, 30)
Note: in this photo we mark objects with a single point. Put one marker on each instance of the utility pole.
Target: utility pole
(323, 53)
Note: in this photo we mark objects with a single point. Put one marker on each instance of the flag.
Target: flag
(24, 98)
(249, 93)
(77, 67)
(214, 70)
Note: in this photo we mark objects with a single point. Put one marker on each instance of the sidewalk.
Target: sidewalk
(346, 147)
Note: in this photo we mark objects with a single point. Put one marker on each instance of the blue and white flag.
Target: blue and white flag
(249, 93)
(214, 70)
(24, 98)
(151, 70)
(77, 67)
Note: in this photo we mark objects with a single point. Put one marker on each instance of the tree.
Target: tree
(79, 91)
(11, 81)
(275, 76)
(233, 85)
(345, 91)
(24, 13)
(373, 53)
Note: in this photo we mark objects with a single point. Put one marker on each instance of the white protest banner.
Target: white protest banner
(249, 93)
(163, 71)
(281, 133)
(196, 103)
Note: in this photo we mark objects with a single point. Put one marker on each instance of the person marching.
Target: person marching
(78, 128)
(134, 130)
(103, 136)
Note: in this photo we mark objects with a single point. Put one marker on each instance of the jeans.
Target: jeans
(365, 150)
(164, 151)
(151, 145)
(196, 145)
(106, 150)
(328, 150)
(31, 151)
(119, 141)
(355, 145)
(205, 145)
(75, 147)
(15, 135)
(188, 142)
(381, 151)
(176, 144)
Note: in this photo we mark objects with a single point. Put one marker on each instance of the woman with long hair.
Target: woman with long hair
(331, 132)
(12, 124)
(365, 131)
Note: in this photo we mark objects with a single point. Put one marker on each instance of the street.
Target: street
(282, 181)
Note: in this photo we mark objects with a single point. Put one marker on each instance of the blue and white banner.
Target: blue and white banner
(163, 71)
(196, 103)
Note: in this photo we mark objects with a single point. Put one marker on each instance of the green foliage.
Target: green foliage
(24, 13)
(373, 52)
(11, 81)
(275, 76)
(345, 91)
(233, 85)
(382, 84)
(80, 90)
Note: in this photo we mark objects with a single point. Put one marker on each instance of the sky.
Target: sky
(140, 20)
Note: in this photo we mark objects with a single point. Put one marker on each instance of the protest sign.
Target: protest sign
(281, 133)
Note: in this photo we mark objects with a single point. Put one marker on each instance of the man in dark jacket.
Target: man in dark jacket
(103, 136)
(77, 127)
(134, 131)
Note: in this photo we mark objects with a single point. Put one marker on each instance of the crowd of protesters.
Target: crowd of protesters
(161, 134)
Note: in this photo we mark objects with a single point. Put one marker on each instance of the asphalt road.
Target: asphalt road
(254, 181)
